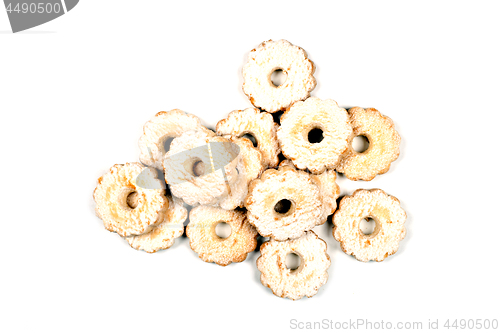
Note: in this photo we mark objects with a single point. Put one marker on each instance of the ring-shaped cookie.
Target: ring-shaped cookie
(258, 124)
(389, 229)
(306, 279)
(383, 146)
(164, 234)
(284, 203)
(209, 246)
(263, 61)
(160, 130)
(193, 167)
(112, 192)
(314, 134)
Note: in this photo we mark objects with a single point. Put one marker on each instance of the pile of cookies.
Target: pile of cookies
(262, 175)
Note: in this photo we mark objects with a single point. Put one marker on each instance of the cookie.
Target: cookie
(263, 61)
(389, 229)
(383, 146)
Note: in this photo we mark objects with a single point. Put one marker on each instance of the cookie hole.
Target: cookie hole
(223, 230)
(283, 206)
(250, 137)
(367, 226)
(315, 135)
(292, 261)
(360, 144)
(198, 168)
(132, 200)
(166, 144)
(278, 77)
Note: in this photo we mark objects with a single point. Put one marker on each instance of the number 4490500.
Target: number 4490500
(32, 8)
(472, 324)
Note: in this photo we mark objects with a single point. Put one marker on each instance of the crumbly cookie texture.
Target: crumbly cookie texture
(383, 147)
(210, 247)
(269, 57)
(303, 281)
(258, 124)
(163, 126)
(389, 218)
(164, 234)
(111, 195)
(284, 203)
(208, 186)
(319, 115)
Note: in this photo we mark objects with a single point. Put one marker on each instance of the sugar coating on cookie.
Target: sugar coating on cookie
(258, 124)
(328, 189)
(306, 279)
(389, 229)
(266, 59)
(249, 167)
(314, 134)
(164, 234)
(329, 192)
(383, 146)
(117, 185)
(284, 203)
(194, 167)
(160, 130)
(204, 240)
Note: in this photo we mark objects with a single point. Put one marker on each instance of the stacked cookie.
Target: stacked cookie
(261, 175)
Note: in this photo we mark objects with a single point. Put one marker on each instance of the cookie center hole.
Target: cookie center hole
(360, 143)
(278, 77)
(198, 168)
(250, 137)
(315, 135)
(223, 230)
(166, 144)
(283, 206)
(132, 200)
(367, 226)
(292, 261)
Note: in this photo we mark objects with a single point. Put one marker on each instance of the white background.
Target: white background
(75, 93)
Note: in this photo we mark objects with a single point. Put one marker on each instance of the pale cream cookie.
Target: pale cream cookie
(284, 203)
(164, 234)
(383, 146)
(389, 229)
(266, 59)
(160, 130)
(314, 134)
(307, 278)
(117, 185)
(204, 240)
(258, 124)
